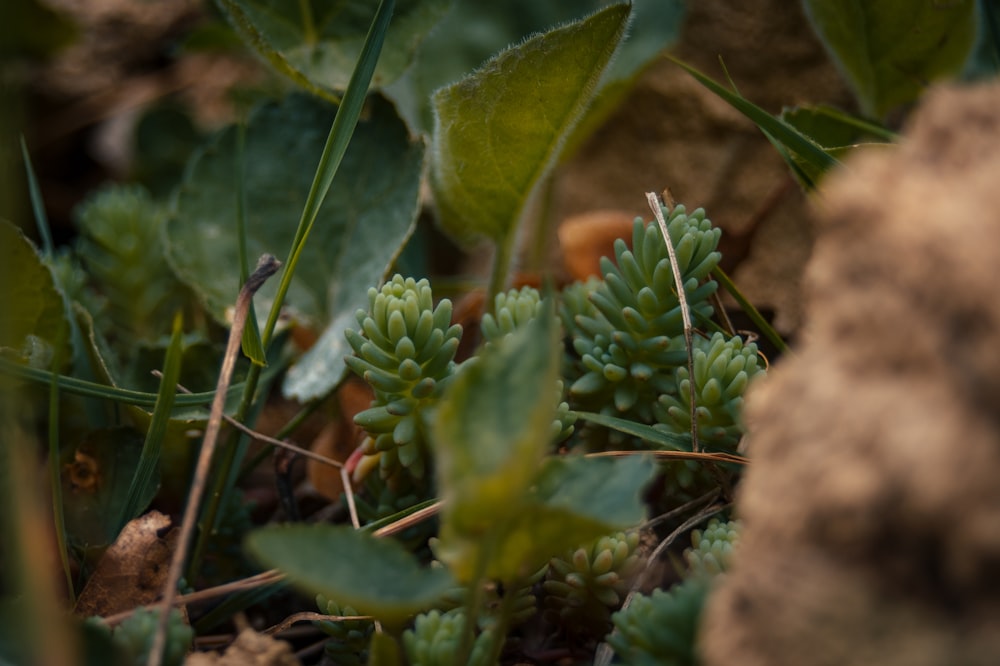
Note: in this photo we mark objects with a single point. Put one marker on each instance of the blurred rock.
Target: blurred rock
(872, 507)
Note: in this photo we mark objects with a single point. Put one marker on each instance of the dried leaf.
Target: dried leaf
(131, 572)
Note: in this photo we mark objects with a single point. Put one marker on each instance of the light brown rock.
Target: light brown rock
(872, 507)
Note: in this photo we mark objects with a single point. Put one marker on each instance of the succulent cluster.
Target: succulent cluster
(723, 367)
(629, 332)
(349, 638)
(587, 584)
(661, 628)
(405, 350)
(135, 636)
(712, 548)
(435, 636)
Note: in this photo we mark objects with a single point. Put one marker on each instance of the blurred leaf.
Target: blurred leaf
(383, 650)
(492, 430)
(573, 500)
(377, 577)
(121, 246)
(984, 61)
(165, 137)
(317, 42)
(889, 51)
(493, 427)
(665, 441)
(367, 216)
(499, 130)
(33, 317)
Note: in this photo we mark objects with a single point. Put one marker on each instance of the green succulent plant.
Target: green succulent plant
(584, 586)
(723, 367)
(660, 629)
(349, 638)
(135, 636)
(435, 638)
(711, 549)
(631, 340)
(405, 350)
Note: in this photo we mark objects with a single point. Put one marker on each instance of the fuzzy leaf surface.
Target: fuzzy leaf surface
(376, 577)
(320, 40)
(367, 216)
(33, 317)
(890, 50)
(499, 130)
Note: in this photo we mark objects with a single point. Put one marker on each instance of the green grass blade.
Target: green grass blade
(782, 132)
(336, 145)
(666, 441)
(251, 344)
(37, 205)
(146, 477)
(55, 474)
(755, 316)
(113, 393)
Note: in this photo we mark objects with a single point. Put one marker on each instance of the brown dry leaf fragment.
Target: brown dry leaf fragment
(338, 439)
(249, 649)
(132, 570)
(586, 238)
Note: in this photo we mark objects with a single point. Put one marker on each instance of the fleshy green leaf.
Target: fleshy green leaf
(499, 130)
(33, 317)
(317, 42)
(376, 577)
(890, 50)
(493, 427)
(368, 214)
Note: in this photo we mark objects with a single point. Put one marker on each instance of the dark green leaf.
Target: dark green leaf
(499, 130)
(376, 577)
(366, 217)
(891, 50)
(33, 317)
(317, 42)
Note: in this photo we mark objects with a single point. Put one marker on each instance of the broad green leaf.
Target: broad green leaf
(473, 31)
(367, 216)
(572, 501)
(377, 577)
(317, 42)
(499, 130)
(891, 50)
(33, 317)
(493, 425)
